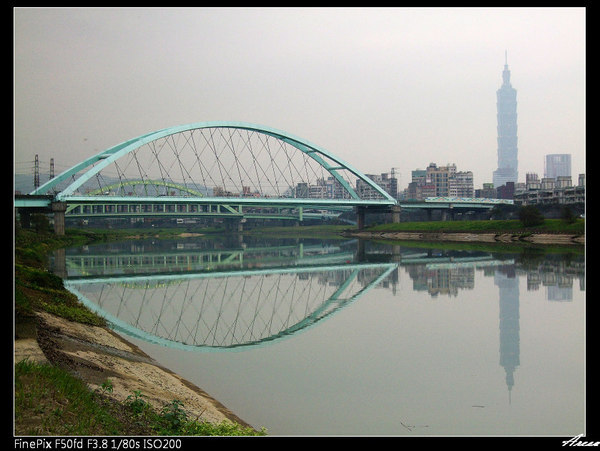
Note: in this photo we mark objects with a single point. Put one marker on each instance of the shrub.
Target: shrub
(530, 216)
(567, 215)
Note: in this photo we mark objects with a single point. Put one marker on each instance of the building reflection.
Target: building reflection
(231, 294)
(506, 280)
(217, 296)
(456, 271)
(557, 278)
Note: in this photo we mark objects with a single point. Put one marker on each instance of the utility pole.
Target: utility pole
(36, 173)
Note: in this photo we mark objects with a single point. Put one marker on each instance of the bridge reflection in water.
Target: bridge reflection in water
(208, 295)
(217, 299)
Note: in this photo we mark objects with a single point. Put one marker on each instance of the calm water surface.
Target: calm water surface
(341, 337)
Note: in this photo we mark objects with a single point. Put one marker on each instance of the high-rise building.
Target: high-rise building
(385, 181)
(461, 185)
(557, 165)
(532, 181)
(507, 131)
(440, 181)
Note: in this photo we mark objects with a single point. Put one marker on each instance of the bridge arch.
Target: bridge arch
(239, 313)
(239, 159)
(145, 184)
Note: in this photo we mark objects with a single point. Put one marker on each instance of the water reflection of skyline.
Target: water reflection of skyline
(203, 295)
(556, 277)
(227, 294)
(433, 271)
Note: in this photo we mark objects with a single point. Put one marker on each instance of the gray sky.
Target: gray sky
(378, 87)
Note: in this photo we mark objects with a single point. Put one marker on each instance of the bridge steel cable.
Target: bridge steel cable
(233, 170)
(227, 310)
(235, 159)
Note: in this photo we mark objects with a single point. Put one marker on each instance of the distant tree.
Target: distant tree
(497, 213)
(503, 211)
(567, 215)
(530, 216)
(500, 212)
(40, 222)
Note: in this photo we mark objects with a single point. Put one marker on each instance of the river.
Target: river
(311, 337)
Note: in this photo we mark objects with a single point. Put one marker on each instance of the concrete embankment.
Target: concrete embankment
(534, 238)
(97, 354)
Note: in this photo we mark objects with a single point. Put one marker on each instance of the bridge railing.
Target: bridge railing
(469, 200)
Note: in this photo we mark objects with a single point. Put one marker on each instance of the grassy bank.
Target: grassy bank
(515, 226)
(37, 289)
(50, 400)
(492, 226)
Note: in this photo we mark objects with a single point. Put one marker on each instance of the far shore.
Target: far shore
(534, 238)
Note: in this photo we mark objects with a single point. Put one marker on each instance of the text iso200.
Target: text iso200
(162, 443)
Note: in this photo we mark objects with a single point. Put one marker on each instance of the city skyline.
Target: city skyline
(508, 155)
(378, 87)
(561, 166)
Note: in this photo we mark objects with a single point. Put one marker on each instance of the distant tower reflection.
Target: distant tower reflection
(508, 284)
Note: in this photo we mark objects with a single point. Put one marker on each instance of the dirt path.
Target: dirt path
(97, 354)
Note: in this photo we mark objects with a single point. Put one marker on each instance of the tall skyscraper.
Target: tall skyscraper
(557, 165)
(507, 131)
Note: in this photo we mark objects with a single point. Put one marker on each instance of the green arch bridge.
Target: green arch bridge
(233, 170)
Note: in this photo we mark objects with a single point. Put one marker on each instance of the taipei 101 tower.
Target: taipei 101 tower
(507, 131)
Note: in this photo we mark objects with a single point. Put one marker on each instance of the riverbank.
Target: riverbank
(534, 238)
(52, 328)
(96, 355)
(549, 232)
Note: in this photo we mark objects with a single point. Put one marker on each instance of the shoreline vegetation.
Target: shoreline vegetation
(50, 398)
(74, 376)
(494, 231)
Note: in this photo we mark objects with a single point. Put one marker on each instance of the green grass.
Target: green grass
(483, 226)
(491, 226)
(51, 401)
(38, 289)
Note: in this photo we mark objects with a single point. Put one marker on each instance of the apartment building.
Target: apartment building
(443, 181)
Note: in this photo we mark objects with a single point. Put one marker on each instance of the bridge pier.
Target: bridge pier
(59, 209)
(360, 250)
(448, 214)
(25, 217)
(361, 213)
(60, 263)
(360, 217)
(395, 213)
(234, 224)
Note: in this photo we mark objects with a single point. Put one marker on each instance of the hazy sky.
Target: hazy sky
(378, 87)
